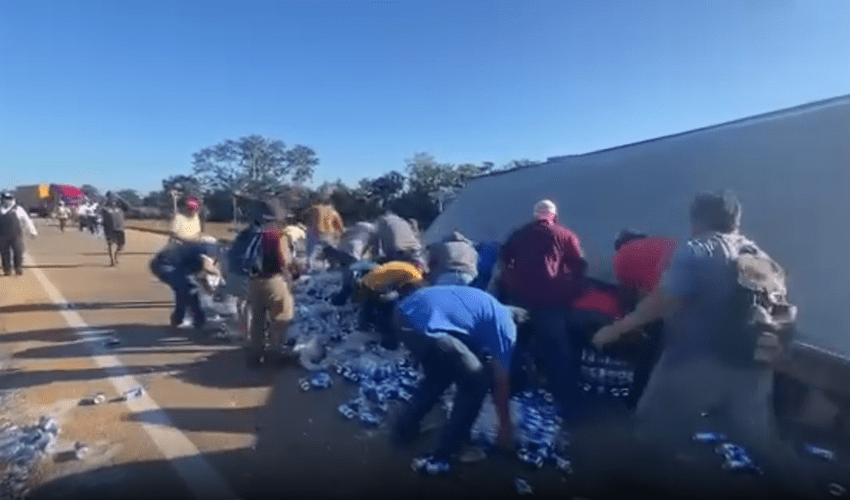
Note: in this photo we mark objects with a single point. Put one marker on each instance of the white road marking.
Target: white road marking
(193, 468)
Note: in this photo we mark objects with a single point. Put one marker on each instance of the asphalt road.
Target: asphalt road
(206, 426)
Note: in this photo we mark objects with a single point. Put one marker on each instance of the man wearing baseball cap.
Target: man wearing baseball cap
(541, 264)
(186, 223)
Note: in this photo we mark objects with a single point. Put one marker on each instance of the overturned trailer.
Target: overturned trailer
(791, 170)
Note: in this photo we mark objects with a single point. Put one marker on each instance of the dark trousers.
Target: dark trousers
(544, 342)
(351, 272)
(642, 354)
(374, 312)
(440, 373)
(185, 294)
(12, 255)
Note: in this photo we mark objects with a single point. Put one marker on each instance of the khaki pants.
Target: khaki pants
(272, 296)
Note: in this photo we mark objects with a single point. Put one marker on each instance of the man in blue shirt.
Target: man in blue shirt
(464, 336)
(175, 265)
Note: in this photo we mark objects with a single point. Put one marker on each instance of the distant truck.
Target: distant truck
(33, 198)
(41, 199)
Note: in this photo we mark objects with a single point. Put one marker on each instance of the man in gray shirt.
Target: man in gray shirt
(351, 254)
(453, 261)
(693, 388)
(395, 239)
(113, 225)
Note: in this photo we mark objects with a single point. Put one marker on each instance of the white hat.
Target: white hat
(545, 207)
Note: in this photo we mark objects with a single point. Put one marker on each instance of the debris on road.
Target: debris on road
(112, 342)
(20, 450)
(737, 460)
(430, 466)
(81, 449)
(96, 399)
(708, 437)
(522, 486)
(134, 393)
(818, 452)
(837, 490)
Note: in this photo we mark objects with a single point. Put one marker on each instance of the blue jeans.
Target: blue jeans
(454, 278)
(440, 373)
(185, 293)
(374, 312)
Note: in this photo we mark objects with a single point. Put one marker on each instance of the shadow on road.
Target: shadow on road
(217, 364)
(24, 308)
(63, 266)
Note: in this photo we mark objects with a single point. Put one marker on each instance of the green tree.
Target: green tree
(91, 192)
(425, 174)
(130, 196)
(254, 165)
(153, 199)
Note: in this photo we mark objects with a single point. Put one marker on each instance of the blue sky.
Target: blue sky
(119, 94)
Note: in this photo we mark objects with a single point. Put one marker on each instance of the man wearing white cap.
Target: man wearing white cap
(541, 266)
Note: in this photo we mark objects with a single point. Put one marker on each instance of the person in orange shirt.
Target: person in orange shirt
(379, 290)
(324, 226)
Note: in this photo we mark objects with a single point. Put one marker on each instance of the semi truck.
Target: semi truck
(41, 199)
(33, 198)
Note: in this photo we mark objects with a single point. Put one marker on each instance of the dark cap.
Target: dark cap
(625, 236)
(718, 211)
(272, 210)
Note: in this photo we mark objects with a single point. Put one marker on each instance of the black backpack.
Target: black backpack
(762, 319)
(245, 257)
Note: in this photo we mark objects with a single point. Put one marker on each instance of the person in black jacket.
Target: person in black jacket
(113, 213)
(13, 219)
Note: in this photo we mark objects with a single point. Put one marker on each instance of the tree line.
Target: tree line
(262, 167)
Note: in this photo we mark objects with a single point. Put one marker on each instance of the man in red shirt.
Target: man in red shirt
(541, 266)
(269, 292)
(639, 264)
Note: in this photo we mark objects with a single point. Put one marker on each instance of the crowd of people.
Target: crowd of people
(503, 316)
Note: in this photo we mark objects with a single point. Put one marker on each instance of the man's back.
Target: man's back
(275, 255)
(324, 218)
(457, 256)
(701, 277)
(113, 218)
(542, 259)
(394, 233)
(474, 316)
(356, 238)
(639, 264)
(391, 275)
